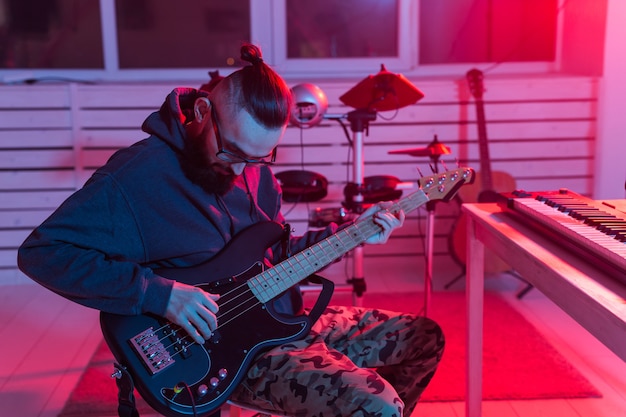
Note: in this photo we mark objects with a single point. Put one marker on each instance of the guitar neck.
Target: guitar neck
(271, 282)
(475, 80)
(483, 146)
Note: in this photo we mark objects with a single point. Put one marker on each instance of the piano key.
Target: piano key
(610, 247)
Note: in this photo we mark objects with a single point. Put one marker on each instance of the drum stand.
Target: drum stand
(434, 150)
(430, 243)
(381, 92)
(359, 122)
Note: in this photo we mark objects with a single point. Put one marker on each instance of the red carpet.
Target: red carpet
(517, 361)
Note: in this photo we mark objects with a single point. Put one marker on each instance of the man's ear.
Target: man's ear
(201, 108)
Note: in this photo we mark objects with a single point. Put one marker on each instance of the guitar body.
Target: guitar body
(473, 193)
(159, 359)
(484, 189)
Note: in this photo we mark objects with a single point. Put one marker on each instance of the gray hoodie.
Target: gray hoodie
(138, 213)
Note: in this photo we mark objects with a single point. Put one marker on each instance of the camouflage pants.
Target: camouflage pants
(354, 362)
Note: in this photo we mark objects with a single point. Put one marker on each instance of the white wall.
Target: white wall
(611, 144)
(541, 131)
(548, 132)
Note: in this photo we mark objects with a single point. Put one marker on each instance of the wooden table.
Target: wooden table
(591, 297)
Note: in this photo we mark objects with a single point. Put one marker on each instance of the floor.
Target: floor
(48, 341)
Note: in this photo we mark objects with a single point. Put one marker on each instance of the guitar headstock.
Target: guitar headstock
(475, 81)
(443, 186)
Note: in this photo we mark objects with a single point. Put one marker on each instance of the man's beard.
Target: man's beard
(199, 169)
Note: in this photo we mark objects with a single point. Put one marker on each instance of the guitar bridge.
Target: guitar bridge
(151, 350)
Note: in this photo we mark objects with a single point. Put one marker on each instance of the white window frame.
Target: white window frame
(268, 30)
(404, 61)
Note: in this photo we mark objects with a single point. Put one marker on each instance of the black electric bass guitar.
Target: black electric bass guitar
(178, 377)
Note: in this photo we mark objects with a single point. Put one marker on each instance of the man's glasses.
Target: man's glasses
(232, 157)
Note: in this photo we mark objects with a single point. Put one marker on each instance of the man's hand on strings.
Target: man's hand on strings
(382, 216)
(194, 310)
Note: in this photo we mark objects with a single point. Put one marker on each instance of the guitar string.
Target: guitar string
(224, 323)
(187, 336)
(225, 312)
(224, 297)
(363, 227)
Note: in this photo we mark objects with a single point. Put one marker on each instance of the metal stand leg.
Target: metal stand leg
(430, 243)
(526, 289)
(434, 150)
(358, 277)
(428, 270)
(455, 279)
(514, 274)
(359, 121)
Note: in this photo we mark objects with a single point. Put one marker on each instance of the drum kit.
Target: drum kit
(434, 151)
(383, 91)
(375, 188)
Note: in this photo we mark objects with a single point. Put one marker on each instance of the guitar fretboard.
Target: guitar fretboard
(286, 274)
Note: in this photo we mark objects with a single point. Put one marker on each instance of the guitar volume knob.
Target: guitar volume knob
(203, 390)
(222, 373)
(214, 382)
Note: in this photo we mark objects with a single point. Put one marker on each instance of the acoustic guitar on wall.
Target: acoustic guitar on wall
(486, 186)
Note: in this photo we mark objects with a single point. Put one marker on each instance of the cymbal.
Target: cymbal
(381, 92)
(434, 149)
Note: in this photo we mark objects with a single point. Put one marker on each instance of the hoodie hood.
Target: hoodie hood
(168, 123)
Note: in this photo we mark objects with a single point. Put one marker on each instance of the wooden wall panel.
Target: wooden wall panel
(541, 130)
(36, 179)
(29, 137)
(45, 200)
